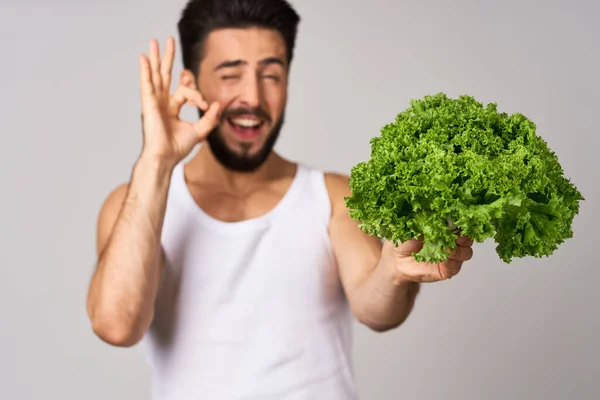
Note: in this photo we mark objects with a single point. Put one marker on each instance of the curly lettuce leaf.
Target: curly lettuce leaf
(449, 166)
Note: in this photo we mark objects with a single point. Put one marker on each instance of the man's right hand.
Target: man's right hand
(122, 293)
(166, 137)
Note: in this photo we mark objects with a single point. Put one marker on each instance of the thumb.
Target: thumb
(409, 247)
(209, 120)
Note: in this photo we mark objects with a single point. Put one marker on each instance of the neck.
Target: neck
(205, 167)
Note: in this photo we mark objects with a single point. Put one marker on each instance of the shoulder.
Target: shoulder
(337, 183)
(114, 200)
(338, 188)
(109, 213)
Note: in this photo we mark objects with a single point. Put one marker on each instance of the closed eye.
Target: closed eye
(272, 77)
(229, 77)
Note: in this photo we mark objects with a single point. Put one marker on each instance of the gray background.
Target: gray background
(70, 133)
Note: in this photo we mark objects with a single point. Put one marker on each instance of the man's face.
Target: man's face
(245, 70)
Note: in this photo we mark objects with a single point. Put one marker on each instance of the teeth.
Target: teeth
(246, 123)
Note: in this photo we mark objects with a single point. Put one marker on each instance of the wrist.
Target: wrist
(154, 166)
(402, 280)
(399, 282)
(150, 179)
(386, 292)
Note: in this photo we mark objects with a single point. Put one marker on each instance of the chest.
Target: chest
(229, 206)
(283, 264)
(284, 260)
(218, 284)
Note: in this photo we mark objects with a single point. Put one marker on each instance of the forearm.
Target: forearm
(123, 289)
(383, 300)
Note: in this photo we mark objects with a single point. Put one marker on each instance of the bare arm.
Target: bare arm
(378, 299)
(124, 287)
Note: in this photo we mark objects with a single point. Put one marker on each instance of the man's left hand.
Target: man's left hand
(407, 269)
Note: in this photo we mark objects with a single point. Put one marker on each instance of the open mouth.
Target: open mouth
(247, 128)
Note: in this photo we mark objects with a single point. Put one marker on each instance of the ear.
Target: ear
(187, 79)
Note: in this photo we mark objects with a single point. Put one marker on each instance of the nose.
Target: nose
(250, 91)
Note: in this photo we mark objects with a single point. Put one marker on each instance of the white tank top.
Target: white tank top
(251, 310)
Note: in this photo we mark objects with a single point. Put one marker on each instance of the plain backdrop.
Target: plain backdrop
(71, 132)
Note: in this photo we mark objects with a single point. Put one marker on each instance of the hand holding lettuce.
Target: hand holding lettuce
(446, 167)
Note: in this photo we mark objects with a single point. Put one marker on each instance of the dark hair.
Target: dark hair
(200, 17)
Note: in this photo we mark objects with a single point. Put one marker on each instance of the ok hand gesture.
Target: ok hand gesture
(166, 137)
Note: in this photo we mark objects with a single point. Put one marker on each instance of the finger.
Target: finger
(462, 253)
(183, 95)
(409, 247)
(464, 241)
(155, 65)
(166, 66)
(146, 86)
(209, 120)
(448, 269)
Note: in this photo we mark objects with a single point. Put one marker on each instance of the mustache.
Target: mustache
(255, 111)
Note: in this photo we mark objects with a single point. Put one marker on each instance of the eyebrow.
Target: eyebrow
(229, 64)
(237, 63)
(272, 60)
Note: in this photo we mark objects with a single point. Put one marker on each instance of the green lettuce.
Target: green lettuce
(446, 167)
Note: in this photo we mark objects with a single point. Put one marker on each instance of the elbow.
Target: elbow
(381, 322)
(117, 334)
(382, 328)
(374, 325)
(378, 327)
(116, 338)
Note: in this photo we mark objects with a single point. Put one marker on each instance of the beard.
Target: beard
(243, 162)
